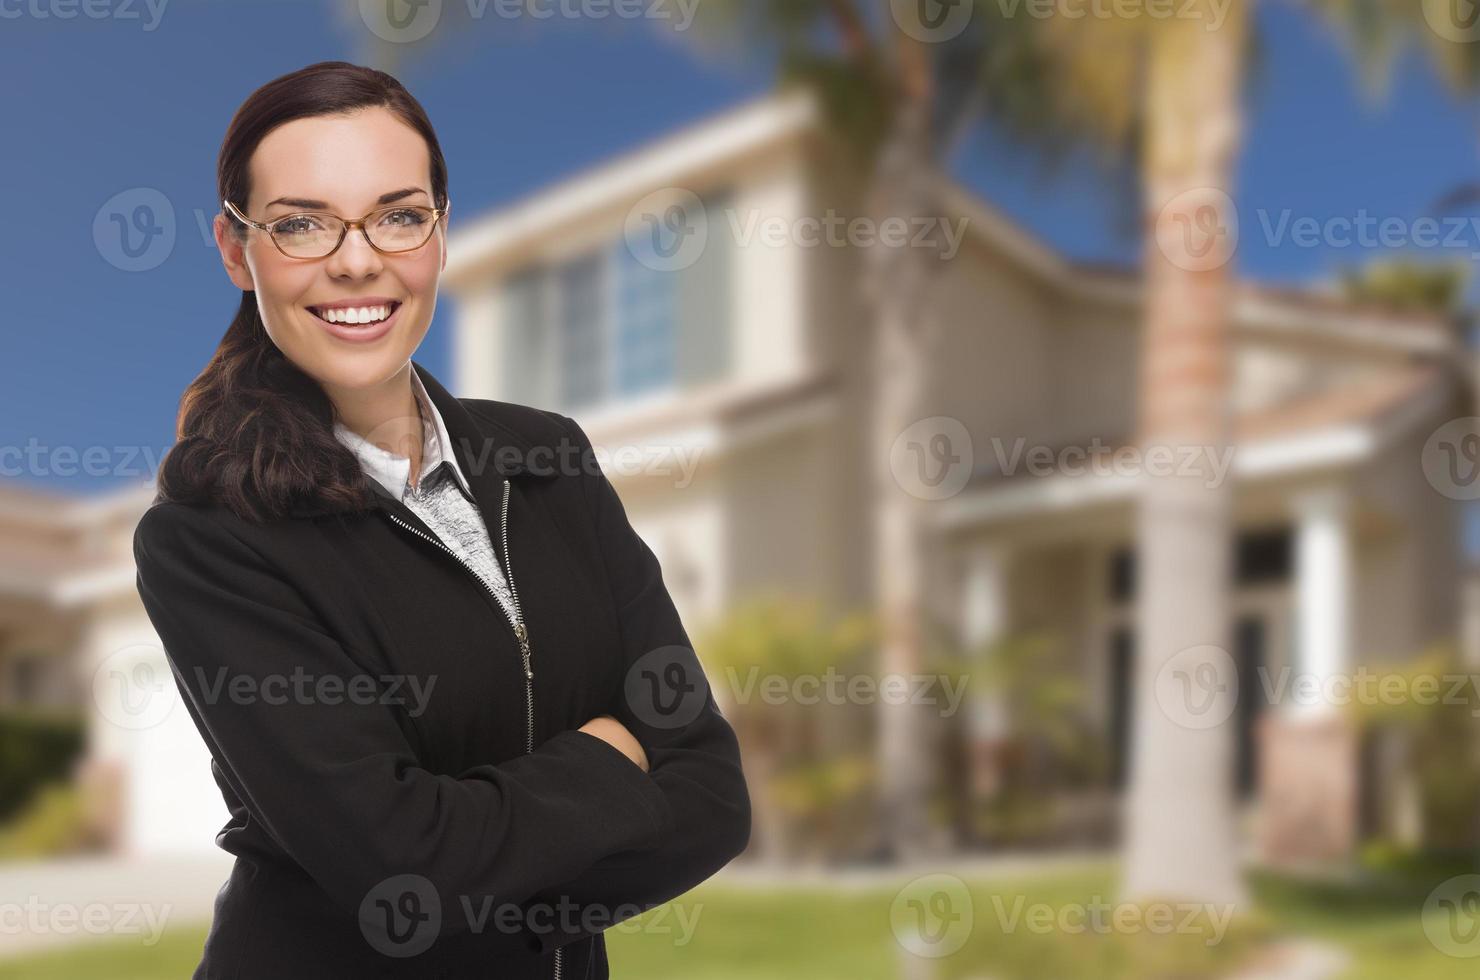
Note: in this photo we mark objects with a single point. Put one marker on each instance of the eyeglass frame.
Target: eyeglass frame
(345, 225)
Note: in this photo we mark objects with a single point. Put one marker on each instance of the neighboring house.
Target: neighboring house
(756, 353)
(74, 637)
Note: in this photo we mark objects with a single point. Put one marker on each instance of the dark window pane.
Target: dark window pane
(583, 357)
(1122, 575)
(1263, 556)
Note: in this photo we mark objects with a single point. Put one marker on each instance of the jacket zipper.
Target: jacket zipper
(516, 622)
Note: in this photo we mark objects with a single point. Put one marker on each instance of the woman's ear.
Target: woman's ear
(233, 254)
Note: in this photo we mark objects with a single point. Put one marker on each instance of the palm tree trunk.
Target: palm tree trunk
(901, 187)
(1181, 836)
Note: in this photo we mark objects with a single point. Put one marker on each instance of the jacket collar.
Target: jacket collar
(485, 451)
(483, 447)
(392, 471)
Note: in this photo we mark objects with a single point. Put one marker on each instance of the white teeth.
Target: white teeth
(356, 314)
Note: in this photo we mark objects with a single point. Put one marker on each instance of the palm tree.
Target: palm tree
(900, 94)
(1167, 92)
(1181, 839)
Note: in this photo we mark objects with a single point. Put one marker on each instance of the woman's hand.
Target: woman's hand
(614, 733)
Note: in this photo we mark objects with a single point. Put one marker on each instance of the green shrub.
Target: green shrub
(36, 747)
(53, 823)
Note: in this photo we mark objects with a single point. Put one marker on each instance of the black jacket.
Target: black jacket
(469, 830)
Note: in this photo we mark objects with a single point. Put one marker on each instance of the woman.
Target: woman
(448, 700)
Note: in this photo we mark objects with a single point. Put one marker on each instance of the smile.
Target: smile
(359, 323)
(356, 315)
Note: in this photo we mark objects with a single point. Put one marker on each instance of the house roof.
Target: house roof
(693, 154)
(64, 549)
(613, 186)
(49, 509)
(1339, 427)
(1374, 401)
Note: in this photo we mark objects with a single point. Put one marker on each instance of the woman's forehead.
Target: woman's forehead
(345, 162)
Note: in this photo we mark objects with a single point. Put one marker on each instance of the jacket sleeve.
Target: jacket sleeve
(693, 755)
(334, 779)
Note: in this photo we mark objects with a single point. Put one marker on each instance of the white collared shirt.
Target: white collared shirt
(446, 504)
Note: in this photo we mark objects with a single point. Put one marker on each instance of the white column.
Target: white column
(477, 344)
(984, 618)
(1323, 587)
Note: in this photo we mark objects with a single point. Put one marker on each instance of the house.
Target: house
(682, 302)
(688, 305)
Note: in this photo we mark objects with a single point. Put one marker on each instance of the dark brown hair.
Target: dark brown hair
(255, 432)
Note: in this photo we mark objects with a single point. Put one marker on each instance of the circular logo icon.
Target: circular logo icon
(667, 230)
(134, 230)
(134, 687)
(1453, 20)
(401, 433)
(932, 459)
(401, 915)
(1198, 687)
(931, 21)
(1198, 229)
(1451, 459)
(932, 916)
(666, 687)
(1451, 917)
(400, 21)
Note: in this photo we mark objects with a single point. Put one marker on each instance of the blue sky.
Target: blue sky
(99, 107)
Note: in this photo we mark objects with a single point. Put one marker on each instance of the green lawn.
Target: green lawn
(749, 935)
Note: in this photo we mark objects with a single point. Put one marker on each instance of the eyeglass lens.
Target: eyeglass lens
(392, 229)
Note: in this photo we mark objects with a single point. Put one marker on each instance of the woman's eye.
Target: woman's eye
(404, 217)
(297, 226)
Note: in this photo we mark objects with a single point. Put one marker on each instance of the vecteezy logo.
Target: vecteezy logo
(1198, 687)
(1451, 459)
(1451, 917)
(133, 687)
(401, 916)
(1453, 20)
(134, 230)
(1197, 230)
(932, 915)
(666, 687)
(400, 21)
(667, 230)
(931, 21)
(932, 458)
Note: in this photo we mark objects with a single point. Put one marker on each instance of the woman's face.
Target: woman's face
(346, 165)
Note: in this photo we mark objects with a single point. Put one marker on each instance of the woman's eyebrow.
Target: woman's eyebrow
(302, 202)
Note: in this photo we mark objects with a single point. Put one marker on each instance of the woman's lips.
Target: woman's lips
(361, 333)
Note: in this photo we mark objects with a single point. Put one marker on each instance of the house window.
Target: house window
(1263, 557)
(25, 680)
(1470, 522)
(583, 355)
(645, 322)
(1121, 580)
(605, 326)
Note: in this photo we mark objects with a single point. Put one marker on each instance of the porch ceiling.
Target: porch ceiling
(1339, 428)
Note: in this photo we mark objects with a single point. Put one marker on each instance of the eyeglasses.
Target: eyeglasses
(318, 234)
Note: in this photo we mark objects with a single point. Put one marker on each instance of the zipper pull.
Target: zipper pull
(522, 634)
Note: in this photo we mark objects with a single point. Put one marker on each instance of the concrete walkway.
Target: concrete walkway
(1020, 865)
(1298, 960)
(60, 902)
